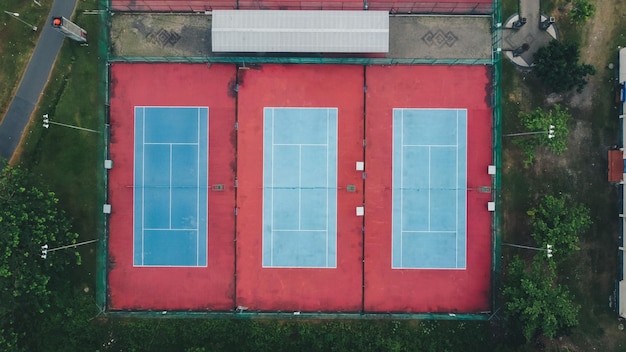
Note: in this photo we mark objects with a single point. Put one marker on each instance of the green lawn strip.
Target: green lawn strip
(567, 29)
(258, 335)
(66, 159)
(508, 8)
(17, 42)
(515, 183)
(548, 5)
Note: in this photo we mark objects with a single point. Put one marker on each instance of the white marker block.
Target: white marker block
(106, 209)
(360, 166)
(491, 170)
(491, 206)
(360, 211)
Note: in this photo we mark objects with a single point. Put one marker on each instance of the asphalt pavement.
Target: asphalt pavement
(34, 80)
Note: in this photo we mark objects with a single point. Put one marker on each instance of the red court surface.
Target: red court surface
(172, 5)
(393, 6)
(346, 288)
(285, 289)
(172, 288)
(410, 290)
(439, 6)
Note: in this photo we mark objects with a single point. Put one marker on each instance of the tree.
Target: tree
(549, 129)
(556, 65)
(29, 219)
(534, 302)
(582, 10)
(559, 221)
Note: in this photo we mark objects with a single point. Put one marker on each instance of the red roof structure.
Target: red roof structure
(616, 165)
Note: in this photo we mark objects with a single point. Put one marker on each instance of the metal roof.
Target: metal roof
(300, 31)
(622, 65)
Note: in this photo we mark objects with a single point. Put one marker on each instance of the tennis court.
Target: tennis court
(308, 188)
(429, 188)
(171, 187)
(300, 187)
(300, 131)
(427, 228)
(170, 193)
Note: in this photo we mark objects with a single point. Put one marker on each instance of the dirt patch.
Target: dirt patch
(598, 34)
(577, 147)
(597, 37)
(143, 34)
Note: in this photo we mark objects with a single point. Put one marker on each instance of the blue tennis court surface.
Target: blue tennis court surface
(429, 188)
(170, 186)
(300, 187)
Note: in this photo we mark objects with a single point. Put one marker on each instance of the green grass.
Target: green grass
(67, 160)
(590, 272)
(17, 42)
(509, 7)
(548, 5)
(249, 335)
(568, 30)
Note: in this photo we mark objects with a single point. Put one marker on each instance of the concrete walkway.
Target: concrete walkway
(34, 80)
(410, 36)
(530, 33)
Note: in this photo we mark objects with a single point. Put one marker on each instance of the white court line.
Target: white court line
(143, 181)
(428, 109)
(171, 167)
(401, 182)
(429, 186)
(169, 229)
(456, 214)
(300, 161)
(177, 143)
(198, 194)
(169, 107)
(465, 195)
(298, 230)
(143, 154)
(428, 231)
(427, 268)
(206, 182)
(299, 187)
(458, 188)
(298, 267)
(303, 144)
(134, 185)
(327, 172)
(298, 108)
(431, 145)
(272, 203)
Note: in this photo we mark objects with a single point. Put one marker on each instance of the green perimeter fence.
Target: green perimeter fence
(103, 117)
(496, 108)
(102, 254)
(254, 60)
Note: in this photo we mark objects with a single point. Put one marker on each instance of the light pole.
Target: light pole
(45, 249)
(17, 17)
(550, 133)
(47, 122)
(548, 248)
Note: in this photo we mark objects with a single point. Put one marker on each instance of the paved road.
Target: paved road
(34, 80)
